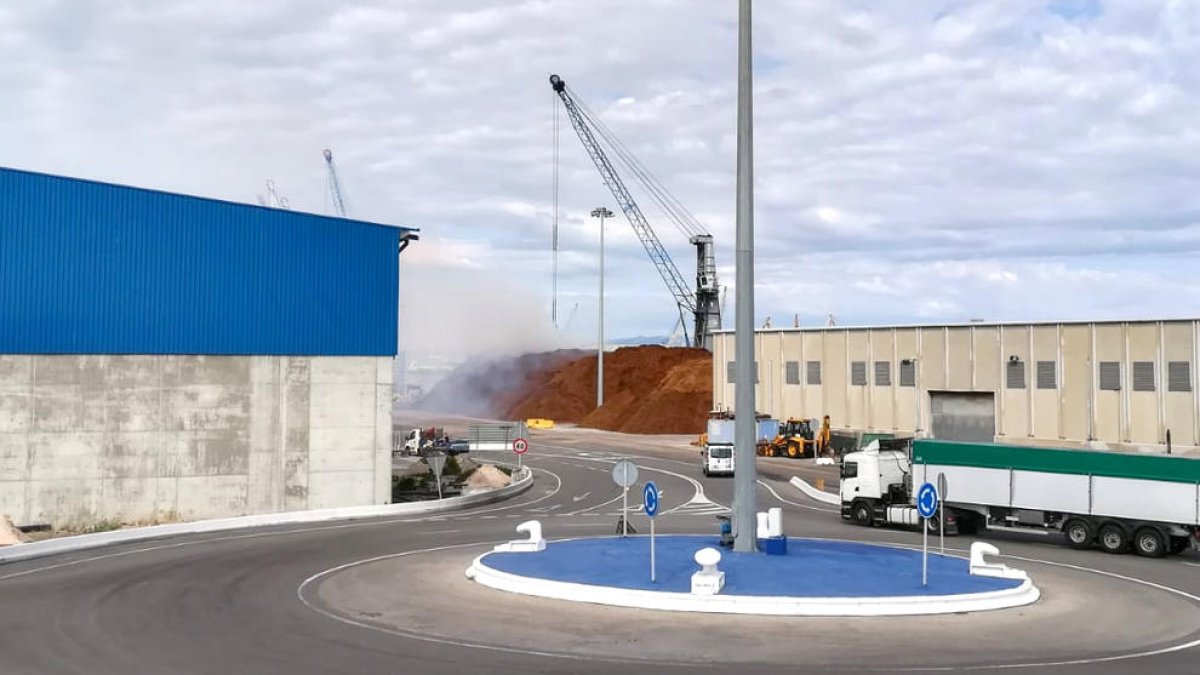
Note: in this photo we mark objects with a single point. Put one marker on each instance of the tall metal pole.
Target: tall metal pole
(745, 472)
(601, 213)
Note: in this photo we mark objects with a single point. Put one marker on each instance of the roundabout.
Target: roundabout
(814, 578)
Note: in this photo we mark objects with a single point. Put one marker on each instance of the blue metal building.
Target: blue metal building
(96, 268)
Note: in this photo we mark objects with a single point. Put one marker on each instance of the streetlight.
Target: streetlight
(601, 213)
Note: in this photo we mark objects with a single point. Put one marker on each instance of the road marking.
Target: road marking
(1190, 564)
(796, 504)
(575, 500)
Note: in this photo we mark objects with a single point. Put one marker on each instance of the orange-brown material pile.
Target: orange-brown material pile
(647, 390)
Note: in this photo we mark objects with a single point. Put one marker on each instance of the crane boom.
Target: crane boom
(335, 186)
(684, 298)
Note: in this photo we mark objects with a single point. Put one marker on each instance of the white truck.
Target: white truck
(1150, 503)
(716, 458)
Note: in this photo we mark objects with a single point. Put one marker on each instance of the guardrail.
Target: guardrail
(15, 552)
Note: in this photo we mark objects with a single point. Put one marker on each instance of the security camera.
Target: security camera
(1014, 358)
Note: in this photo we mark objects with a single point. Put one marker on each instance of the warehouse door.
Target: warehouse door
(959, 416)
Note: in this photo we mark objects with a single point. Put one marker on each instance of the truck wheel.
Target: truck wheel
(1113, 538)
(968, 522)
(1078, 533)
(862, 513)
(793, 451)
(1149, 542)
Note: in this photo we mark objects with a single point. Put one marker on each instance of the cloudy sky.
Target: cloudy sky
(916, 161)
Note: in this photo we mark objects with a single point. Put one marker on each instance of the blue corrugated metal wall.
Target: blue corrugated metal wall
(93, 268)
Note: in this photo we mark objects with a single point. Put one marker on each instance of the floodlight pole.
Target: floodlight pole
(601, 213)
(745, 422)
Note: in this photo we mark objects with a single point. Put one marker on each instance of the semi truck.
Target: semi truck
(1149, 504)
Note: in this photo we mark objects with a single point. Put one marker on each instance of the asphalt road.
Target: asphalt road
(389, 596)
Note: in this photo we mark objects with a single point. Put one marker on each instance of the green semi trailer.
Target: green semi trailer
(1116, 501)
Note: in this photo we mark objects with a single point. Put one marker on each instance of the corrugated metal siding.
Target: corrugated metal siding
(93, 268)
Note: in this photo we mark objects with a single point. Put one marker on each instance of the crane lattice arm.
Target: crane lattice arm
(335, 186)
(654, 248)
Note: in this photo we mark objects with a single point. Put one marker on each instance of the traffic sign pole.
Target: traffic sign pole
(625, 512)
(925, 552)
(927, 507)
(941, 490)
(650, 505)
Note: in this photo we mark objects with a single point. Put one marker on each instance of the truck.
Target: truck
(1118, 502)
(415, 440)
(716, 457)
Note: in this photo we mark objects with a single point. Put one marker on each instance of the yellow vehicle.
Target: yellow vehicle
(796, 439)
(539, 423)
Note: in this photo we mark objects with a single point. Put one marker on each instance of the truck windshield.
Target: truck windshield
(720, 453)
(849, 469)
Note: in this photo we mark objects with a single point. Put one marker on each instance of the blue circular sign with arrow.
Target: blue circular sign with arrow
(650, 499)
(927, 500)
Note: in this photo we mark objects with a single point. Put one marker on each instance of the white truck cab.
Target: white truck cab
(717, 460)
(868, 473)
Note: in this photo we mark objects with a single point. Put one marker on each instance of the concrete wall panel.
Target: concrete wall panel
(958, 347)
(138, 438)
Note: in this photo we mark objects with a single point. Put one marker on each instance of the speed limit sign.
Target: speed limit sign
(520, 446)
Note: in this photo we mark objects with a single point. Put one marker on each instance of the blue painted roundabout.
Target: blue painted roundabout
(814, 578)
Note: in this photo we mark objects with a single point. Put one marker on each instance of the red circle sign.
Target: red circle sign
(520, 446)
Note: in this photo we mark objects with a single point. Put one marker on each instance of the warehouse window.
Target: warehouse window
(792, 372)
(731, 372)
(1179, 376)
(1016, 374)
(1110, 376)
(858, 373)
(1143, 376)
(883, 374)
(814, 372)
(1047, 375)
(908, 373)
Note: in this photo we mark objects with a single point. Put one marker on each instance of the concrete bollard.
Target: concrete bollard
(982, 568)
(533, 544)
(775, 522)
(709, 580)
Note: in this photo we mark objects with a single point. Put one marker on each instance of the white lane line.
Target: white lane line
(796, 504)
(593, 508)
(576, 500)
(1190, 564)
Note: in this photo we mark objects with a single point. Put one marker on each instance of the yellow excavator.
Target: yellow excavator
(796, 439)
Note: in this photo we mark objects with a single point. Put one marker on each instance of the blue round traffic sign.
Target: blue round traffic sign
(650, 499)
(927, 500)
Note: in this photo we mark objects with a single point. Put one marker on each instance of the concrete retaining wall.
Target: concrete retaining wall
(141, 438)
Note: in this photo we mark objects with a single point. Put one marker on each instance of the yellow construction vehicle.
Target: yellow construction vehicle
(796, 439)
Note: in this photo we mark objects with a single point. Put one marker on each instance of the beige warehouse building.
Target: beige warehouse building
(1129, 385)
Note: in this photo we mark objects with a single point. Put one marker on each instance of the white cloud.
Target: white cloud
(1008, 160)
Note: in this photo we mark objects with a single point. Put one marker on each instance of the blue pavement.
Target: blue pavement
(811, 568)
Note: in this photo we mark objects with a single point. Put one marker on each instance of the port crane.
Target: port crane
(703, 302)
(335, 186)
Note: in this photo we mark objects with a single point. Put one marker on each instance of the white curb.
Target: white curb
(80, 542)
(1024, 594)
(814, 493)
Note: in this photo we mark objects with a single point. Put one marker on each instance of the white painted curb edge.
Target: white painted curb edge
(1024, 594)
(814, 493)
(85, 541)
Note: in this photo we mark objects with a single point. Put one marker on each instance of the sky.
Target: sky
(916, 161)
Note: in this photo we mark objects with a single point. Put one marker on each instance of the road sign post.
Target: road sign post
(650, 506)
(436, 461)
(941, 491)
(927, 507)
(624, 474)
(520, 446)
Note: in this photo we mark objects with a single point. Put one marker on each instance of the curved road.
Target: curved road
(267, 600)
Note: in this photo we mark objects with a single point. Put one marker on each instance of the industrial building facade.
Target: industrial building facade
(1111, 385)
(170, 357)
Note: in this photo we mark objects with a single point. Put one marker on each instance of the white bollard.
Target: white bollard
(775, 522)
(533, 544)
(709, 580)
(763, 531)
(982, 568)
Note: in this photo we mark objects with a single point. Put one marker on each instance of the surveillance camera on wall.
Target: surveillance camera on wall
(1014, 359)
